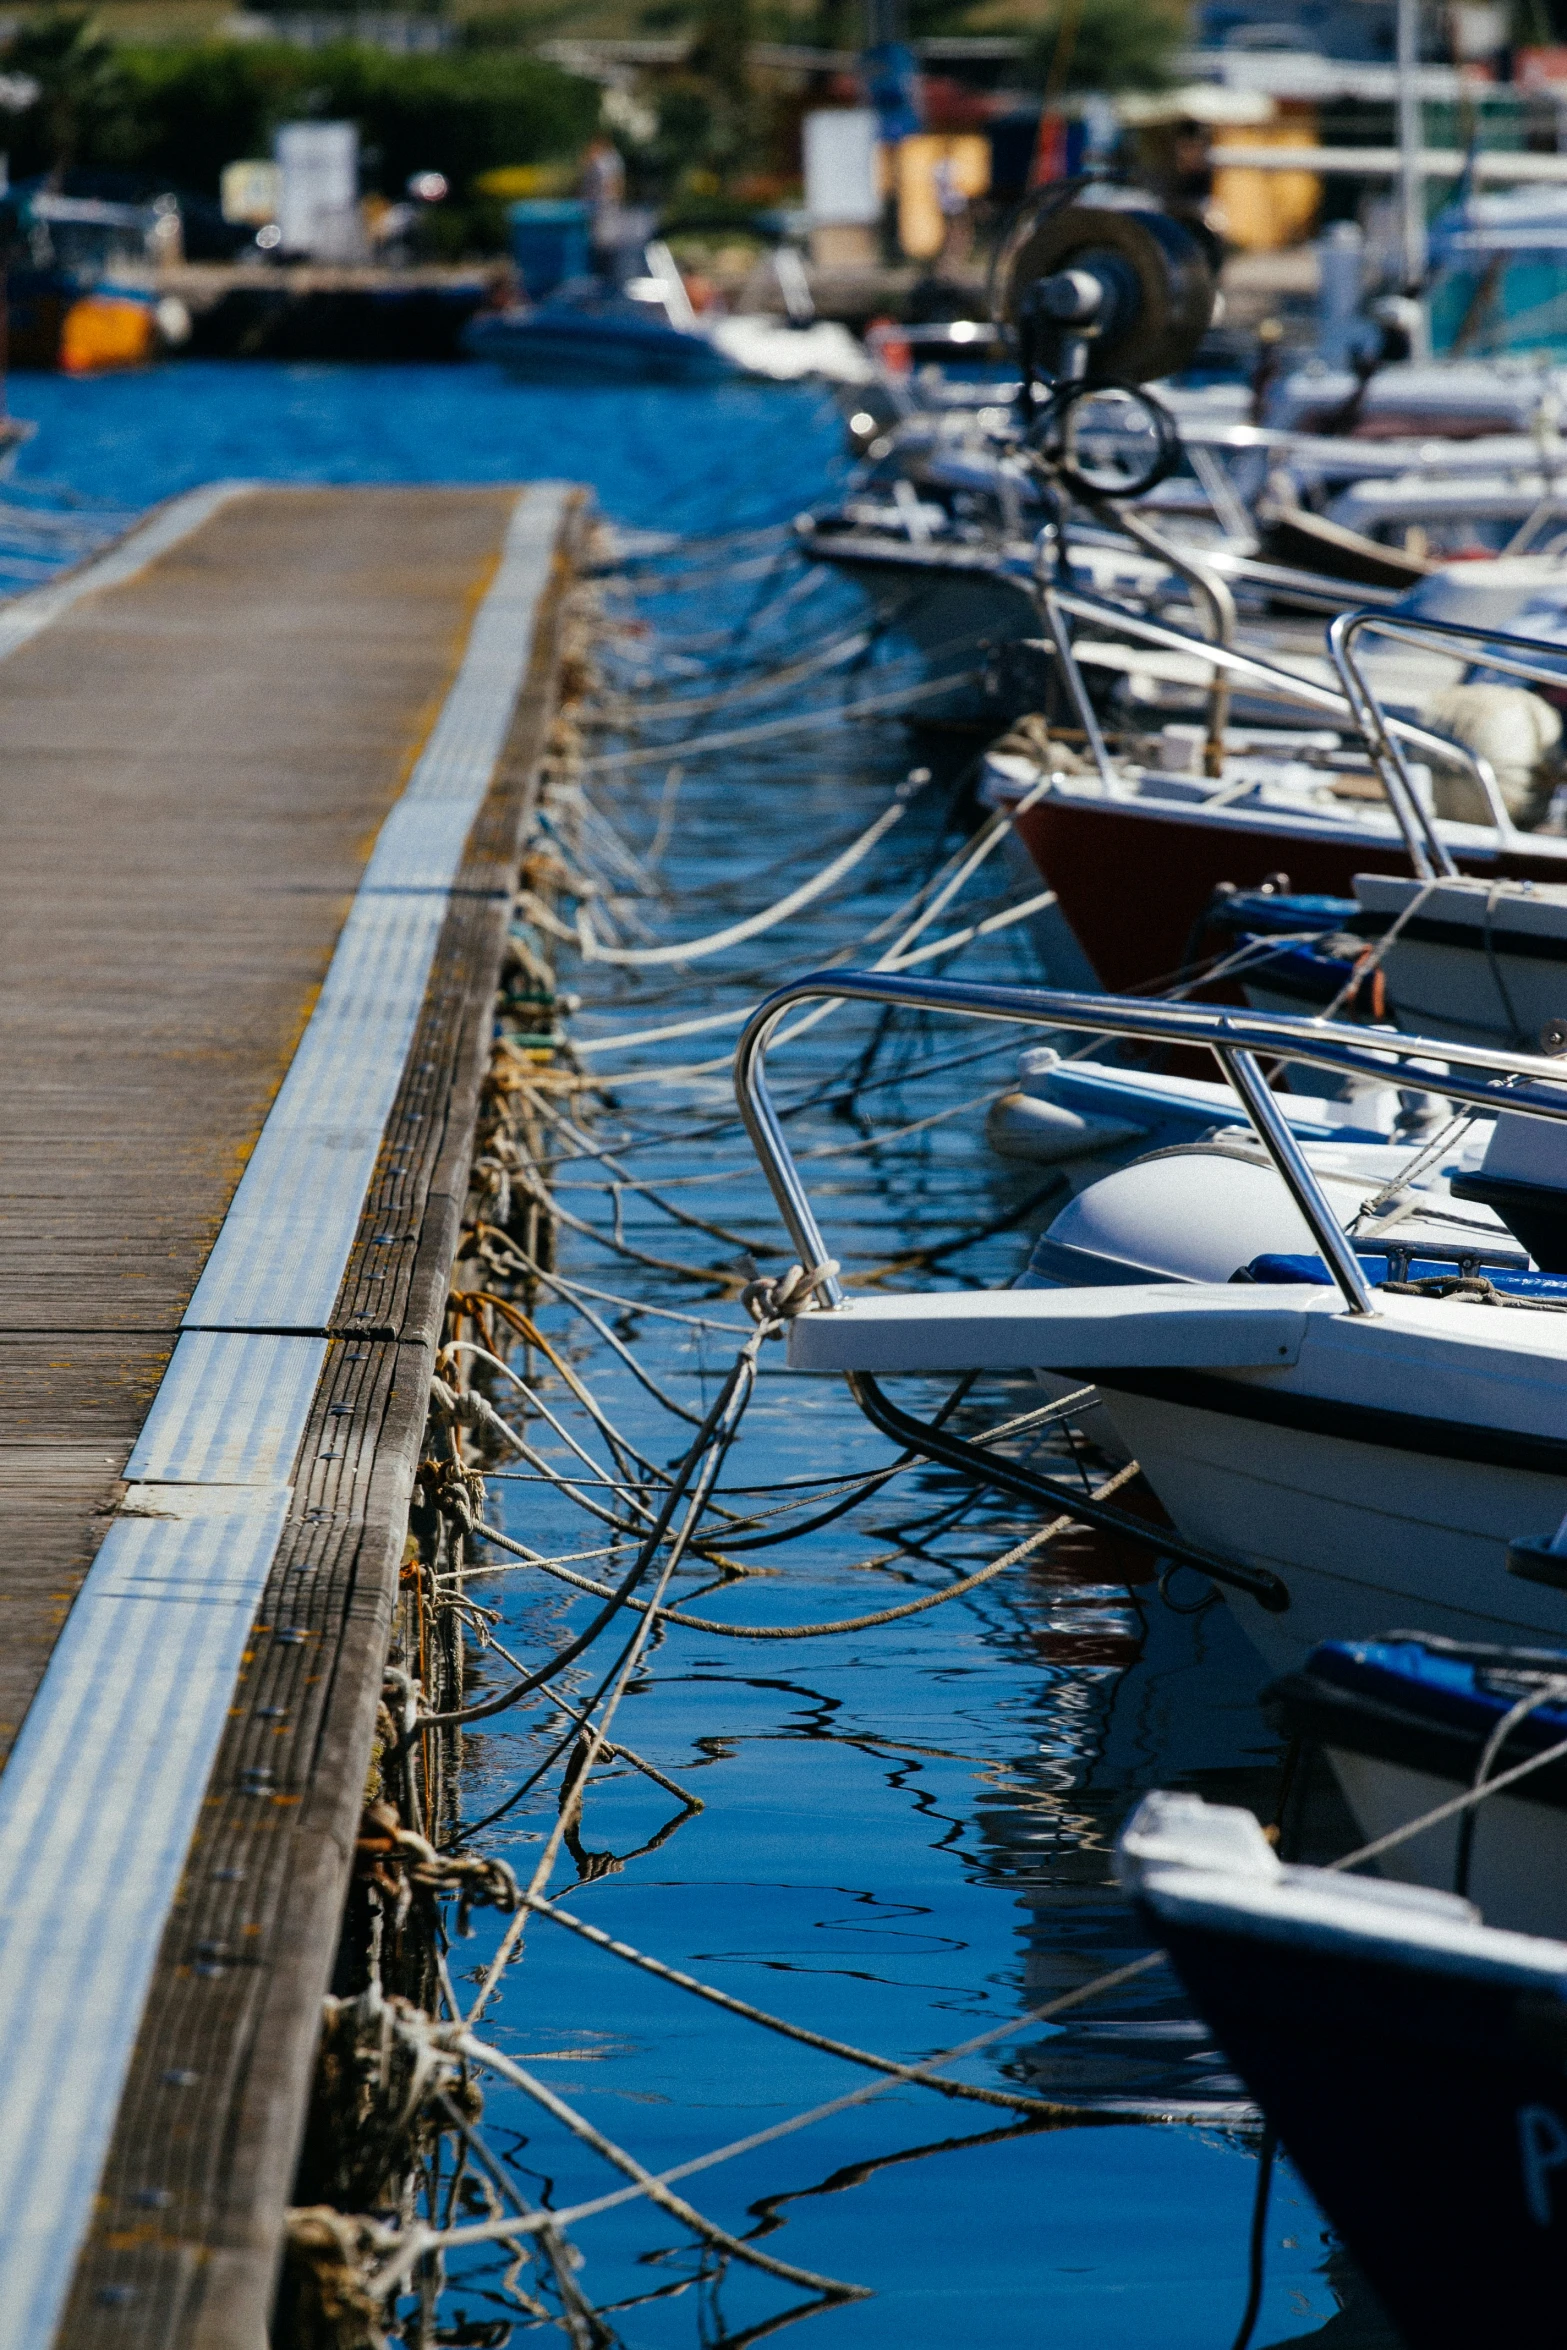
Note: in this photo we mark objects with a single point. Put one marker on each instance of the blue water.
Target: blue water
(721, 457)
(906, 1833)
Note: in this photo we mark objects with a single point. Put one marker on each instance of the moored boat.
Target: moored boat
(1408, 2054)
(1159, 834)
(590, 329)
(1410, 1720)
(1364, 1424)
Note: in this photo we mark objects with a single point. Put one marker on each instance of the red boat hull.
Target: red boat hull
(1134, 884)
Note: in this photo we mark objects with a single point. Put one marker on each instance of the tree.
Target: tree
(708, 116)
(178, 114)
(1107, 45)
(82, 93)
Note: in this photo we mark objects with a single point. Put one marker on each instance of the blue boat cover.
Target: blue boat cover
(1466, 1688)
(1503, 1272)
(1269, 912)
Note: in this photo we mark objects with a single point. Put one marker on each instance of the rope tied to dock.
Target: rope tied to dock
(421, 2241)
(392, 1856)
(697, 1471)
(1047, 2108)
(669, 1514)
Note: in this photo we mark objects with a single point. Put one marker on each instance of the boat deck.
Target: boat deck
(263, 769)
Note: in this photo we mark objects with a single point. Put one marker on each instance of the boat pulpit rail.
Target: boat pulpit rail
(1240, 1041)
(1522, 657)
(1056, 603)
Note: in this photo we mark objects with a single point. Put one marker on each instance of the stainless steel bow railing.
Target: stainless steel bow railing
(1056, 600)
(1513, 656)
(1475, 1074)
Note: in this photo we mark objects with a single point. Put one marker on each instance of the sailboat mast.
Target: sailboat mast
(1411, 174)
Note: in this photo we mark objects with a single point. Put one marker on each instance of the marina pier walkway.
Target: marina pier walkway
(263, 769)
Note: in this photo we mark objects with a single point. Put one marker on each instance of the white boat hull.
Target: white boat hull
(1517, 1860)
(1363, 1534)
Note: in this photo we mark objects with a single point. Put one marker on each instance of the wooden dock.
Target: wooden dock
(264, 768)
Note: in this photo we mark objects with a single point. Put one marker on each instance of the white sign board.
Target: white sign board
(842, 168)
(318, 186)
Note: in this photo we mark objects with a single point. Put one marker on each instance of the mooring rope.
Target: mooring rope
(711, 1437)
(542, 1114)
(829, 715)
(655, 2189)
(886, 1615)
(693, 950)
(422, 2241)
(1049, 2108)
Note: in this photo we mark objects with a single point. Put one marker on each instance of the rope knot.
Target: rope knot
(464, 1407)
(458, 1493)
(778, 1298)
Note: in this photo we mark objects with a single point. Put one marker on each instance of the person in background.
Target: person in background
(957, 228)
(601, 183)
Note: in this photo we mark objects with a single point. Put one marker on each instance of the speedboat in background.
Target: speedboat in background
(645, 330)
(81, 286)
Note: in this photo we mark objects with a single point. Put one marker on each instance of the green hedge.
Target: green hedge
(181, 113)
(1107, 45)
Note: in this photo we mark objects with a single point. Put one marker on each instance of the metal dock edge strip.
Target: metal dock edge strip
(105, 1784)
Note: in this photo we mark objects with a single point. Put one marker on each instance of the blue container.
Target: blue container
(549, 243)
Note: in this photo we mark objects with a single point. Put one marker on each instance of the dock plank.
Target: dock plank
(193, 768)
(179, 870)
(208, 864)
